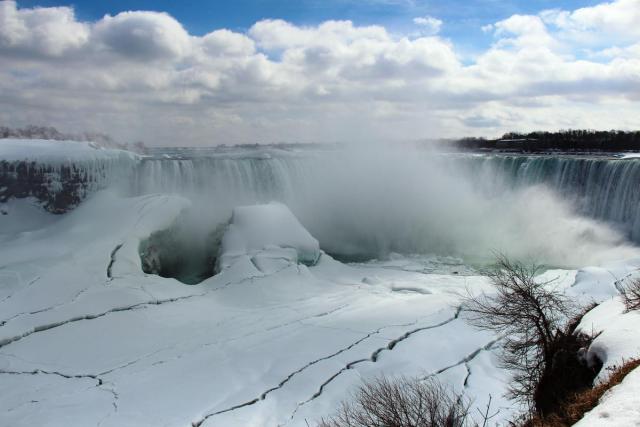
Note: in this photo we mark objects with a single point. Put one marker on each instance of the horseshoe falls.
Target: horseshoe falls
(259, 286)
(365, 206)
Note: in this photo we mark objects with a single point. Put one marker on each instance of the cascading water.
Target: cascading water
(369, 204)
(601, 188)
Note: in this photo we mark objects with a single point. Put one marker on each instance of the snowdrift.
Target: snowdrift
(270, 235)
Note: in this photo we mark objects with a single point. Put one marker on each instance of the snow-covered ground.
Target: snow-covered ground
(86, 338)
(618, 342)
(58, 152)
(619, 407)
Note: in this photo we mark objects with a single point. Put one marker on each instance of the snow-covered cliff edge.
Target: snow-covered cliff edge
(59, 174)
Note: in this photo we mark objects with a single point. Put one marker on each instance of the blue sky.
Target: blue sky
(462, 18)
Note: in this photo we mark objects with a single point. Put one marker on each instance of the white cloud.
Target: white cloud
(279, 34)
(487, 28)
(628, 52)
(430, 25)
(522, 30)
(140, 75)
(616, 21)
(225, 42)
(143, 35)
(40, 31)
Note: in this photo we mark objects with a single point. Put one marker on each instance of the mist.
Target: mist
(366, 202)
(382, 200)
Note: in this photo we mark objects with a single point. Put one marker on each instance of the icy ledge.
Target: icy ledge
(270, 236)
(58, 152)
(618, 342)
(59, 174)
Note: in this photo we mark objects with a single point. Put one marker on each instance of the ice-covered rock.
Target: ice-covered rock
(270, 235)
(59, 174)
(617, 342)
(617, 336)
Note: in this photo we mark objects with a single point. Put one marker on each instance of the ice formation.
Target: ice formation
(283, 332)
(270, 235)
(59, 174)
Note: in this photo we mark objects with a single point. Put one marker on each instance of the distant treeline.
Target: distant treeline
(568, 140)
(51, 133)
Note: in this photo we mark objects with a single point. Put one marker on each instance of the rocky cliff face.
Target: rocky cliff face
(58, 189)
(59, 174)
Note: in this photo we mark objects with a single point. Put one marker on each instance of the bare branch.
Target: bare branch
(631, 294)
(402, 403)
(540, 347)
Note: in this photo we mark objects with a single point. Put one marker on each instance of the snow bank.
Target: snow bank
(23, 215)
(154, 219)
(619, 336)
(620, 407)
(58, 152)
(270, 235)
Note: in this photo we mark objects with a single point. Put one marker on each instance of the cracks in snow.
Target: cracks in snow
(255, 264)
(108, 387)
(43, 310)
(393, 343)
(308, 365)
(254, 332)
(373, 358)
(112, 261)
(132, 362)
(4, 322)
(144, 290)
(141, 305)
(98, 375)
(46, 327)
(302, 320)
(233, 408)
(59, 374)
(19, 277)
(100, 383)
(465, 383)
(114, 400)
(465, 360)
(288, 378)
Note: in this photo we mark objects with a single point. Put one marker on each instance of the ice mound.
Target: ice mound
(270, 235)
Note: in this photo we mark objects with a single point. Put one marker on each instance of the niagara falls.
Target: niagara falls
(378, 213)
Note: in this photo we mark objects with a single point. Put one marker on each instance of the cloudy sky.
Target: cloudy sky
(243, 71)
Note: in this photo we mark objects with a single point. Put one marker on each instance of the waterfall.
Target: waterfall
(601, 188)
(365, 202)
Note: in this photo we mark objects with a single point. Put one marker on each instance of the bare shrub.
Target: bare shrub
(631, 295)
(402, 403)
(540, 346)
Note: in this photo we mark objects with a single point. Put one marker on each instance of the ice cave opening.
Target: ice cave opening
(187, 250)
